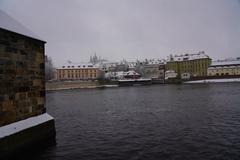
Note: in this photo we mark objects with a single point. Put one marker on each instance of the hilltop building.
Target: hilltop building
(78, 71)
(96, 59)
(228, 67)
(189, 65)
(107, 66)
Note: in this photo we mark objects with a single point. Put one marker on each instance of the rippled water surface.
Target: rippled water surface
(176, 122)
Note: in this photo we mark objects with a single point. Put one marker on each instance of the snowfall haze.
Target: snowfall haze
(136, 29)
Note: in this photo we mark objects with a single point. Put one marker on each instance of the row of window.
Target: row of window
(222, 74)
(84, 66)
(77, 71)
(62, 76)
(188, 66)
(224, 69)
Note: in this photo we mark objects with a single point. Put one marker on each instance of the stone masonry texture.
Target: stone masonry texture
(22, 86)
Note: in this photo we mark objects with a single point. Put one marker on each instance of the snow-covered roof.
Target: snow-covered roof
(77, 65)
(107, 64)
(131, 64)
(152, 61)
(128, 73)
(187, 57)
(221, 67)
(226, 62)
(156, 61)
(10, 24)
(131, 73)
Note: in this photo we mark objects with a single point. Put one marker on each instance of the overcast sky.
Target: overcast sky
(130, 29)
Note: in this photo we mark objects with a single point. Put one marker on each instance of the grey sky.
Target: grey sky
(131, 29)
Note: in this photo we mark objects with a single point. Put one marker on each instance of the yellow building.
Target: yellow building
(78, 72)
(225, 68)
(195, 65)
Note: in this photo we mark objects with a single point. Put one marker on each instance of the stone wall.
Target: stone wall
(22, 90)
(60, 85)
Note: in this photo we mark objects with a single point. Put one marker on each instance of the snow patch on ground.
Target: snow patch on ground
(214, 80)
(24, 124)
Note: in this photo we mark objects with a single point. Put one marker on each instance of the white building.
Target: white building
(107, 66)
(185, 76)
(225, 67)
(170, 74)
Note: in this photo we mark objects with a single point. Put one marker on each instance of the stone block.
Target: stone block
(22, 77)
(37, 82)
(40, 101)
(8, 106)
(2, 97)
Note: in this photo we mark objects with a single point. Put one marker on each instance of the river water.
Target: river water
(176, 122)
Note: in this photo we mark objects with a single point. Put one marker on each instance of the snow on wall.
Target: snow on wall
(24, 124)
(214, 80)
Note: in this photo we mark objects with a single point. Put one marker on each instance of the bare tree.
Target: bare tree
(49, 68)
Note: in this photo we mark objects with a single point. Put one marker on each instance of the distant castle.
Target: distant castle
(96, 59)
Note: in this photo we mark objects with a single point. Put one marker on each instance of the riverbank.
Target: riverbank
(62, 85)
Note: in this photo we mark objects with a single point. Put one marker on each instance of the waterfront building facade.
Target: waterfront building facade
(107, 66)
(150, 68)
(228, 67)
(194, 64)
(78, 71)
(154, 71)
(170, 74)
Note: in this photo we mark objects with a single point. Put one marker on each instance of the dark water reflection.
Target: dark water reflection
(148, 122)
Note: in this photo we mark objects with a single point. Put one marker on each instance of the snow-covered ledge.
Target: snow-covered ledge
(24, 124)
(214, 80)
